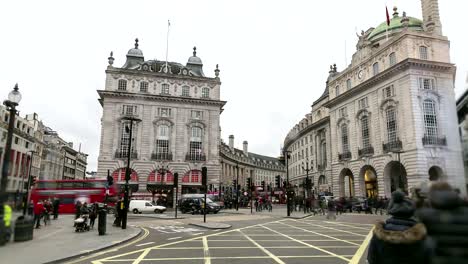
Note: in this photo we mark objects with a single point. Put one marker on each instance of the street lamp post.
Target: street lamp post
(28, 183)
(288, 193)
(237, 187)
(14, 97)
(306, 185)
(127, 171)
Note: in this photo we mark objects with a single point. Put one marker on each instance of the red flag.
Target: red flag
(388, 16)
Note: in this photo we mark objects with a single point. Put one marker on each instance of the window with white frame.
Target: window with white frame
(362, 103)
(375, 68)
(165, 88)
(185, 91)
(344, 138)
(423, 53)
(342, 112)
(337, 90)
(196, 114)
(129, 110)
(144, 87)
(125, 139)
(426, 84)
(388, 91)
(392, 58)
(206, 92)
(365, 132)
(430, 118)
(162, 139)
(348, 84)
(122, 85)
(390, 115)
(164, 112)
(195, 148)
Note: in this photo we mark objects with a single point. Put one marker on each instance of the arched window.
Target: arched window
(165, 88)
(322, 180)
(195, 148)
(144, 87)
(365, 132)
(390, 115)
(344, 138)
(122, 86)
(430, 119)
(375, 68)
(205, 92)
(185, 91)
(423, 53)
(392, 58)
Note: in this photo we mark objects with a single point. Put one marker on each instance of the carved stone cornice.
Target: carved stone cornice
(138, 73)
(154, 97)
(388, 73)
(315, 125)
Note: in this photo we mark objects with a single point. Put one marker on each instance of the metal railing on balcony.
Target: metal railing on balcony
(321, 167)
(344, 156)
(161, 156)
(124, 155)
(195, 157)
(369, 151)
(433, 140)
(392, 146)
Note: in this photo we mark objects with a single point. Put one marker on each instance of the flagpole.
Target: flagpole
(167, 43)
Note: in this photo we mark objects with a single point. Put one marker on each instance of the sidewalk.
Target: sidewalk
(59, 240)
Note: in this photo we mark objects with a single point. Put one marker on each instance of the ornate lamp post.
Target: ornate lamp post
(28, 184)
(128, 170)
(288, 191)
(306, 183)
(14, 97)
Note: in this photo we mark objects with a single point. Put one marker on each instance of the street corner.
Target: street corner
(211, 225)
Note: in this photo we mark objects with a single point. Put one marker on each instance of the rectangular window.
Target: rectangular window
(388, 91)
(337, 90)
(423, 53)
(344, 138)
(144, 87)
(122, 85)
(365, 132)
(185, 91)
(27, 144)
(195, 149)
(426, 84)
(125, 140)
(162, 146)
(391, 125)
(129, 110)
(348, 84)
(375, 68)
(195, 114)
(165, 88)
(164, 112)
(392, 58)
(362, 103)
(342, 112)
(430, 119)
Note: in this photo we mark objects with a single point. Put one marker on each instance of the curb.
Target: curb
(95, 250)
(226, 226)
(298, 217)
(158, 218)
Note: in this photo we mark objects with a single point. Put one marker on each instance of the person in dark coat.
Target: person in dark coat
(56, 205)
(447, 224)
(400, 239)
(93, 215)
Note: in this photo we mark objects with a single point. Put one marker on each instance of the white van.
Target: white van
(142, 206)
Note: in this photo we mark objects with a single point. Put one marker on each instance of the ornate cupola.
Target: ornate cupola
(134, 57)
(195, 64)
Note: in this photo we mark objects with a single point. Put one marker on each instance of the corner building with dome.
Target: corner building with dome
(179, 130)
(389, 119)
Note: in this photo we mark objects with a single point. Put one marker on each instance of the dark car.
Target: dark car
(194, 205)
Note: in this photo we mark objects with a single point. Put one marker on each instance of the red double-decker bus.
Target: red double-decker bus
(71, 191)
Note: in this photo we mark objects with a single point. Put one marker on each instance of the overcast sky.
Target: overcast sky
(274, 56)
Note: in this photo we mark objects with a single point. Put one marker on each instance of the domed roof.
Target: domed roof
(135, 52)
(194, 59)
(395, 26)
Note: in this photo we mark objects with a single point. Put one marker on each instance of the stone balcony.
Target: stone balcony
(392, 146)
(365, 152)
(195, 157)
(161, 156)
(433, 140)
(344, 156)
(124, 155)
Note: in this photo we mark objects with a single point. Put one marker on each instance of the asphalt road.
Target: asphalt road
(256, 239)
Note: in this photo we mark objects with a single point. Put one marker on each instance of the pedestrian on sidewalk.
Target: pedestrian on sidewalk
(38, 211)
(93, 215)
(331, 209)
(56, 205)
(400, 239)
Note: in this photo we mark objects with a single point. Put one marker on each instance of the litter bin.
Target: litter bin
(102, 221)
(24, 227)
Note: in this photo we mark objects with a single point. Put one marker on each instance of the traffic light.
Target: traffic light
(249, 183)
(110, 180)
(278, 181)
(204, 173)
(234, 183)
(176, 179)
(33, 180)
(285, 184)
(263, 185)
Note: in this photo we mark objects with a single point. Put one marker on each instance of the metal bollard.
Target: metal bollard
(24, 227)
(102, 220)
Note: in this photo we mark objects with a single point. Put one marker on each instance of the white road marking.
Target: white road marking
(172, 238)
(206, 251)
(266, 251)
(196, 234)
(144, 244)
(326, 227)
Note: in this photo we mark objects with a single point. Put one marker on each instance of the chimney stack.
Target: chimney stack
(245, 147)
(231, 141)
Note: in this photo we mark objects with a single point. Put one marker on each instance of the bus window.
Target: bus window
(67, 200)
(46, 185)
(94, 184)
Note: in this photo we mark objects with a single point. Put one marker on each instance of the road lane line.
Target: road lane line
(142, 256)
(206, 251)
(172, 238)
(309, 245)
(144, 244)
(337, 239)
(266, 251)
(357, 257)
(326, 227)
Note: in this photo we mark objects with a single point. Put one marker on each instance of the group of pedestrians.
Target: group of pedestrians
(43, 209)
(433, 233)
(83, 209)
(263, 203)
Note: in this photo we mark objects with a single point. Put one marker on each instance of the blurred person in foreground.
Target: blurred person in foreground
(400, 239)
(446, 220)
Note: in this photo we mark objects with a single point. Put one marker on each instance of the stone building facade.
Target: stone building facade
(179, 108)
(259, 168)
(462, 110)
(388, 120)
